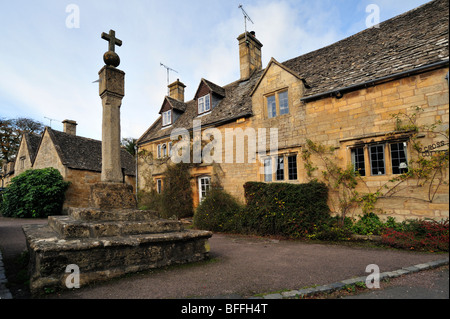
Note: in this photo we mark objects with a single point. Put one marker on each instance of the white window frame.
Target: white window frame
(158, 152)
(203, 192)
(268, 170)
(167, 118)
(204, 107)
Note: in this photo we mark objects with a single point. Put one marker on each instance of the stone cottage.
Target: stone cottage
(342, 96)
(77, 158)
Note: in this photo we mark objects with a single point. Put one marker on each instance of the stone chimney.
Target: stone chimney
(176, 90)
(249, 54)
(70, 127)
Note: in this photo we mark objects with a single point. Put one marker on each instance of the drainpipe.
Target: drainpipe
(136, 155)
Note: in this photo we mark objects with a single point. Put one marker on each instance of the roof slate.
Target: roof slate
(33, 141)
(82, 153)
(416, 38)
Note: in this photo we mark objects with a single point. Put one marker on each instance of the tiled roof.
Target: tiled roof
(416, 38)
(33, 141)
(236, 103)
(82, 153)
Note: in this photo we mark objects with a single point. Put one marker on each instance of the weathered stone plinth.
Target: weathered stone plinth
(107, 243)
(112, 195)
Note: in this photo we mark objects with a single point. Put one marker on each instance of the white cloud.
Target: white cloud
(47, 69)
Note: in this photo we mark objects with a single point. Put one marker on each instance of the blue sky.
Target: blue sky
(47, 68)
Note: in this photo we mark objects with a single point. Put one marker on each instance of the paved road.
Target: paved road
(240, 267)
(430, 284)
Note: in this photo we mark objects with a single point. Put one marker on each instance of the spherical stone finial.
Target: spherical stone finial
(111, 58)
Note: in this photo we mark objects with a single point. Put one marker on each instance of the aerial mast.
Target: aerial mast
(168, 70)
(246, 17)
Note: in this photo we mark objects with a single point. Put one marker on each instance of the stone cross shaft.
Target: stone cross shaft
(111, 90)
(111, 38)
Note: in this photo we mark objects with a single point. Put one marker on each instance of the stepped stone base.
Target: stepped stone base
(107, 244)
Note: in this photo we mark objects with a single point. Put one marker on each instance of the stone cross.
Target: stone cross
(111, 90)
(111, 38)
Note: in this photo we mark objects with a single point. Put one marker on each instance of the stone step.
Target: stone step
(69, 228)
(92, 214)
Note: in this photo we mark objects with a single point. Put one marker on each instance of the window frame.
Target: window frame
(268, 172)
(380, 158)
(405, 151)
(285, 107)
(294, 166)
(158, 151)
(280, 170)
(274, 102)
(159, 185)
(201, 197)
(202, 102)
(359, 166)
(167, 118)
(371, 154)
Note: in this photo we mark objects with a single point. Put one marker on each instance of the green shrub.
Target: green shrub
(368, 224)
(291, 210)
(219, 211)
(35, 193)
(176, 196)
(334, 229)
(150, 201)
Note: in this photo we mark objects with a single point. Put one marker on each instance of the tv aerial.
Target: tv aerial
(246, 17)
(51, 120)
(168, 70)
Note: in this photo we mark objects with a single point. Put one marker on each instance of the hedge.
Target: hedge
(36, 193)
(292, 210)
(219, 211)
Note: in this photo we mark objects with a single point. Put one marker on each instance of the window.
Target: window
(280, 169)
(398, 158)
(396, 164)
(292, 167)
(271, 106)
(268, 170)
(159, 151)
(159, 186)
(167, 118)
(170, 149)
(283, 104)
(204, 185)
(358, 161)
(163, 150)
(204, 104)
(377, 160)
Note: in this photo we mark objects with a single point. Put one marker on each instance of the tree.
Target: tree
(11, 131)
(129, 144)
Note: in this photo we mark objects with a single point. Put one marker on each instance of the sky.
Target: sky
(51, 50)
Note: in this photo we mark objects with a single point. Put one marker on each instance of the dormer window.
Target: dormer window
(167, 118)
(204, 104)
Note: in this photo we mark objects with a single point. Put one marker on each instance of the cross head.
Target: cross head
(111, 38)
